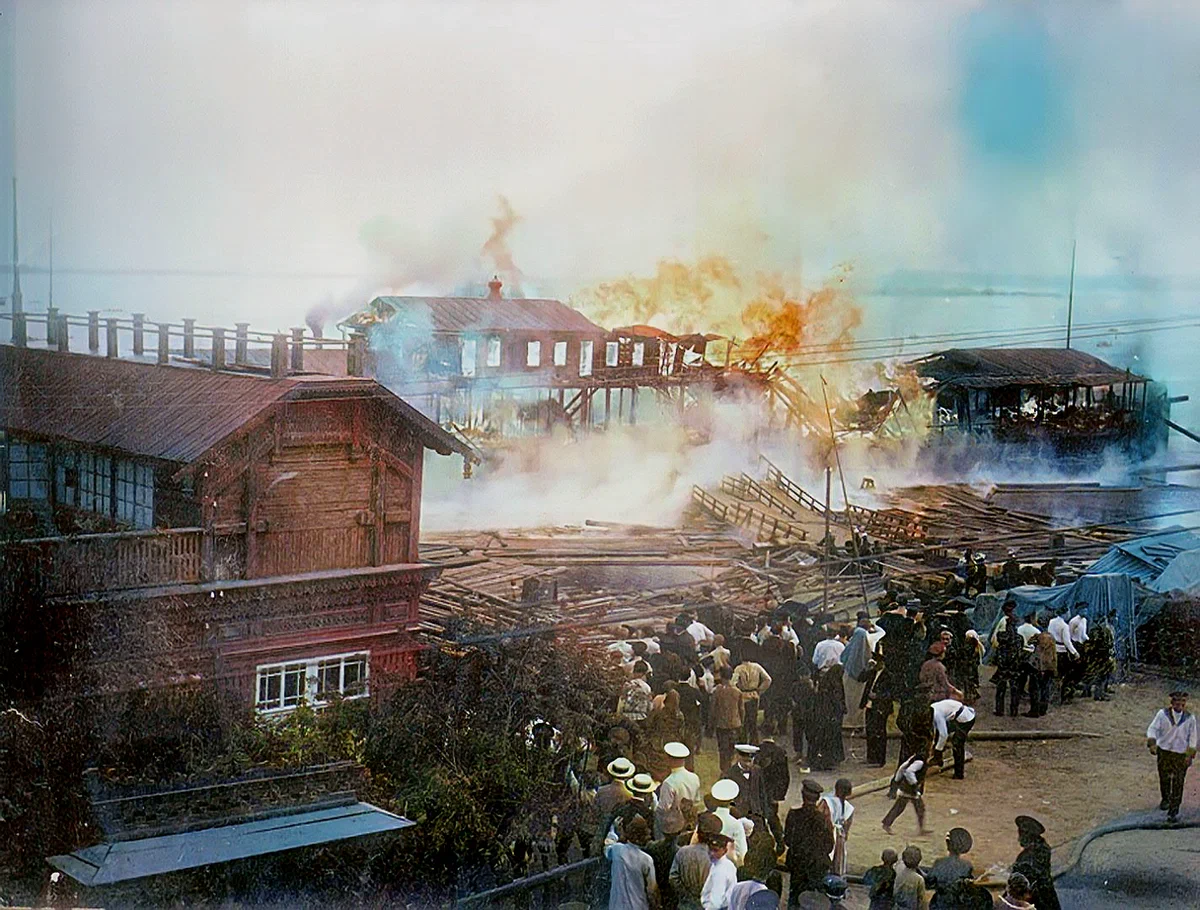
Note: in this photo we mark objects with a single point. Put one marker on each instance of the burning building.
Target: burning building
(508, 366)
(1068, 400)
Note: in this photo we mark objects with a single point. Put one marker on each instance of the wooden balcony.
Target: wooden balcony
(112, 562)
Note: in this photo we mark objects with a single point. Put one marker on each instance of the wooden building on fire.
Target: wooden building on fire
(1072, 402)
(222, 522)
(515, 366)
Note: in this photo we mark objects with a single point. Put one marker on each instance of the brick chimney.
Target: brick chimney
(494, 287)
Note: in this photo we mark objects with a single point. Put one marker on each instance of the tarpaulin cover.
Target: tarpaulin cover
(1100, 593)
(1181, 574)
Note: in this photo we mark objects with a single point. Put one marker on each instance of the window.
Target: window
(316, 681)
(611, 350)
(66, 476)
(469, 346)
(560, 353)
(493, 352)
(95, 483)
(135, 494)
(585, 358)
(28, 476)
(639, 353)
(533, 354)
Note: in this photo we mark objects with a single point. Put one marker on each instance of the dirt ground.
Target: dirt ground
(1072, 785)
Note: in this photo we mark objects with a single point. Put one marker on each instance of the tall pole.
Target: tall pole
(1071, 296)
(51, 301)
(845, 496)
(825, 543)
(17, 306)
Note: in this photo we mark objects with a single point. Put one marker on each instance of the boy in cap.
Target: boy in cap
(808, 836)
(1171, 737)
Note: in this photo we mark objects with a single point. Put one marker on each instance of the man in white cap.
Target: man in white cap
(679, 795)
(724, 792)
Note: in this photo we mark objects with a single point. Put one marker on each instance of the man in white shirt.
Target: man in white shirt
(1068, 655)
(1079, 638)
(1171, 736)
(953, 721)
(1028, 631)
(679, 795)
(700, 633)
(828, 652)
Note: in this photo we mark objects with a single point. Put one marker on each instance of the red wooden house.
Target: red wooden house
(261, 531)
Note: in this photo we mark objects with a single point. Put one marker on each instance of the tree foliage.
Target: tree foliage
(458, 753)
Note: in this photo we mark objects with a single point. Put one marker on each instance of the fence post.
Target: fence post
(297, 349)
(110, 330)
(164, 342)
(94, 331)
(63, 334)
(189, 338)
(218, 349)
(241, 344)
(20, 331)
(279, 356)
(51, 326)
(139, 334)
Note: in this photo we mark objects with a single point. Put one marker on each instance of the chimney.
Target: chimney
(139, 334)
(164, 342)
(279, 351)
(218, 349)
(241, 345)
(94, 331)
(494, 287)
(298, 349)
(356, 349)
(110, 334)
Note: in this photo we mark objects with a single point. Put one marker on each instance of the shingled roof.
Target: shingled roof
(167, 412)
(460, 315)
(982, 368)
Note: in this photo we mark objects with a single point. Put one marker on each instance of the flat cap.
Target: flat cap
(810, 785)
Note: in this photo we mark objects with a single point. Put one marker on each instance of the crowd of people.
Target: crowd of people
(787, 674)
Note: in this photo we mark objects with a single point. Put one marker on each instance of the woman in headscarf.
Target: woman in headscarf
(1034, 862)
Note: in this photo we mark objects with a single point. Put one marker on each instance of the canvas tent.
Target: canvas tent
(1100, 593)
(1144, 559)
(1181, 574)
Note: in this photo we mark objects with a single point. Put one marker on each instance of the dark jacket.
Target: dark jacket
(1034, 863)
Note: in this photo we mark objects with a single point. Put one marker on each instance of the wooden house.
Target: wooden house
(210, 523)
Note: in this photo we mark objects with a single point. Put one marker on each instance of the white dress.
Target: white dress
(840, 812)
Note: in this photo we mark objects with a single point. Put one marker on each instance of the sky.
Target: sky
(299, 152)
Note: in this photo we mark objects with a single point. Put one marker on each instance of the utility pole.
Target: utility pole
(825, 543)
(17, 305)
(1071, 296)
(845, 496)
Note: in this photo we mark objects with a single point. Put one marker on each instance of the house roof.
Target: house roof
(125, 860)
(167, 412)
(457, 315)
(980, 368)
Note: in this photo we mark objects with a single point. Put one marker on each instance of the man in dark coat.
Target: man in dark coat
(1010, 657)
(808, 835)
(1034, 862)
(775, 778)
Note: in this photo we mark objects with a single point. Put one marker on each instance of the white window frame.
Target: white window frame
(639, 353)
(469, 353)
(533, 353)
(587, 350)
(612, 353)
(560, 353)
(308, 669)
(493, 351)
(28, 470)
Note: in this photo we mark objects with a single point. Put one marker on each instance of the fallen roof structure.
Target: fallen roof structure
(985, 368)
